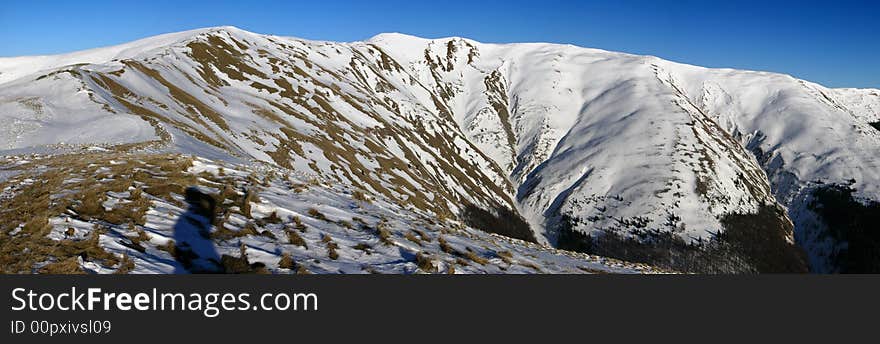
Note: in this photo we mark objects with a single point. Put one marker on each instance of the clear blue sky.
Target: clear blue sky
(835, 43)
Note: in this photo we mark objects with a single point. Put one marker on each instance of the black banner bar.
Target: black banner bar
(411, 309)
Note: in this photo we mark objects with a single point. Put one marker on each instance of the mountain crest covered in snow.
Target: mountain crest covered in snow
(598, 151)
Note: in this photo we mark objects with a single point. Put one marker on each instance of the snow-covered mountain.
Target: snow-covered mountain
(622, 155)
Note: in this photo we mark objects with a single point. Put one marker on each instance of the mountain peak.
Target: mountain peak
(397, 38)
(229, 29)
(394, 36)
(12, 68)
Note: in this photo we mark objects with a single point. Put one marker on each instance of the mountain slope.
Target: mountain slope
(583, 143)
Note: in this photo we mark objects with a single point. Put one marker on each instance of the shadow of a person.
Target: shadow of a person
(194, 249)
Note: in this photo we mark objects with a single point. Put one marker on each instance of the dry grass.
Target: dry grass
(473, 256)
(331, 246)
(272, 218)
(298, 225)
(345, 224)
(295, 239)
(532, 266)
(287, 262)
(363, 247)
(126, 265)
(269, 234)
(445, 247)
(384, 236)
(250, 196)
(360, 196)
(425, 263)
(66, 267)
(137, 240)
(359, 221)
(222, 233)
(72, 185)
(90, 203)
(422, 235)
(317, 214)
(505, 256)
(241, 264)
(411, 237)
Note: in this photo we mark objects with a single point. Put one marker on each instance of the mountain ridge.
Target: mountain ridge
(574, 139)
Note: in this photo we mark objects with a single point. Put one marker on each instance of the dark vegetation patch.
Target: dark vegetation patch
(501, 221)
(852, 222)
(761, 240)
(749, 243)
(659, 248)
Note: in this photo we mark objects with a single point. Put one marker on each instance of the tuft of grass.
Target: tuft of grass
(317, 214)
(268, 234)
(298, 187)
(359, 196)
(250, 196)
(422, 235)
(90, 204)
(298, 225)
(169, 247)
(411, 237)
(425, 263)
(126, 265)
(445, 247)
(345, 224)
(533, 267)
(241, 264)
(476, 258)
(136, 241)
(235, 265)
(384, 236)
(287, 262)
(505, 256)
(273, 218)
(222, 233)
(363, 247)
(331, 246)
(294, 239)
